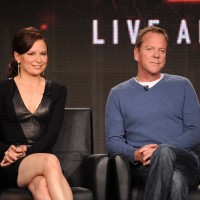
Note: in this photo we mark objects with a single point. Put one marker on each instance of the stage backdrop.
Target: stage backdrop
(91, 43)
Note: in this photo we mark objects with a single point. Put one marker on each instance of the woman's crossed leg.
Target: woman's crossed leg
(42, 174)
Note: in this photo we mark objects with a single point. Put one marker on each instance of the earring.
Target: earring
(18, 69)
(43, 73)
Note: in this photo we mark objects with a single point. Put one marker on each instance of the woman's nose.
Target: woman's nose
(38, 58)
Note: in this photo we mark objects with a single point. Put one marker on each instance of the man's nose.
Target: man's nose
(156, 54)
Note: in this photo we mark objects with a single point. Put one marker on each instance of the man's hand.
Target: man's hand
(144, 153)
(12, 154)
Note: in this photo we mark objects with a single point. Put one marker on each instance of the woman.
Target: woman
(31, 113)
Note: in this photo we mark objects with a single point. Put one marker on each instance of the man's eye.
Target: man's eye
(162, 51)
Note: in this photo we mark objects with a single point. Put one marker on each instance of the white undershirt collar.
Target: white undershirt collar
(149, 84)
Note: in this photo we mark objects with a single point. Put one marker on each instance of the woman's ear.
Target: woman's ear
(17, 57)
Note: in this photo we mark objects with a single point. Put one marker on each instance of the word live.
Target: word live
(183, 34)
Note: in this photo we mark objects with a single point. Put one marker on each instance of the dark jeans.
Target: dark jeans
(170, 174)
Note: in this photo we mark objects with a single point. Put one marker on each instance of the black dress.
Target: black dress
(18, 125)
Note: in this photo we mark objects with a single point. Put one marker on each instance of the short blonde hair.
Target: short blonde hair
(146, 30)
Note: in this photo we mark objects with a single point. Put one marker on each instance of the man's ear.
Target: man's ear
(16, 56)
(136, 53)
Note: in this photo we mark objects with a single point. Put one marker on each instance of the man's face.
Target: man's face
(151, 56)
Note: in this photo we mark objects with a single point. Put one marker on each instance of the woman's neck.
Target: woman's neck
(31, 80)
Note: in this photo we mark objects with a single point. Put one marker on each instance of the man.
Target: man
(154, 120)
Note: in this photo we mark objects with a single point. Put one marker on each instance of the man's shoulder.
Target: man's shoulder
(122, 86)
(176, 78)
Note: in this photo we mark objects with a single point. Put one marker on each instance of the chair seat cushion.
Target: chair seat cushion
(15, 194)
(80, 193)
(137, 193)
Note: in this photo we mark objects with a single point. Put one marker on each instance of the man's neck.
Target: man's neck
(149, 78)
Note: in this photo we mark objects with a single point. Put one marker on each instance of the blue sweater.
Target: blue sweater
(168, 113)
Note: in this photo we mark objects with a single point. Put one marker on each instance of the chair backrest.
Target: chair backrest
(74, 144)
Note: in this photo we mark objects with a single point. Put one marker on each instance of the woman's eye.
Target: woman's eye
(30, 54)
(44, 54)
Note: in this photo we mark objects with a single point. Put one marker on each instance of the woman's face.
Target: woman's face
(35, 60)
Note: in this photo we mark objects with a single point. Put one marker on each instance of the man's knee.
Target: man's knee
(179, 185)
(178, 179)
(165, 153)
(165, 149)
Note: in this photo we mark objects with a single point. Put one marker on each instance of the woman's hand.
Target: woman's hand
(12, 154)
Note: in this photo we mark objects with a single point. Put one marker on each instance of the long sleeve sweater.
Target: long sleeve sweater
(167, 113)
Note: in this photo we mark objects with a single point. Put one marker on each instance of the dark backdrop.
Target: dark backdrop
(90, 59)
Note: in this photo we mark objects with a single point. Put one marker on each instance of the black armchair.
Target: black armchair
(86, 172)
(121, 182)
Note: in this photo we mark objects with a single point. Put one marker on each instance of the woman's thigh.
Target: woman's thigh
(34, 165)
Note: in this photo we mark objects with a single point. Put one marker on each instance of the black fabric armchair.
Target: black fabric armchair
(86, 172)
(125, 188)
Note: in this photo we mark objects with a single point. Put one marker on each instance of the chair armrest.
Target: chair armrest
(120, 179)
(96, 168)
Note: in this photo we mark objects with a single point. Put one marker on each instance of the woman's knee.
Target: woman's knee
(50, 161)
